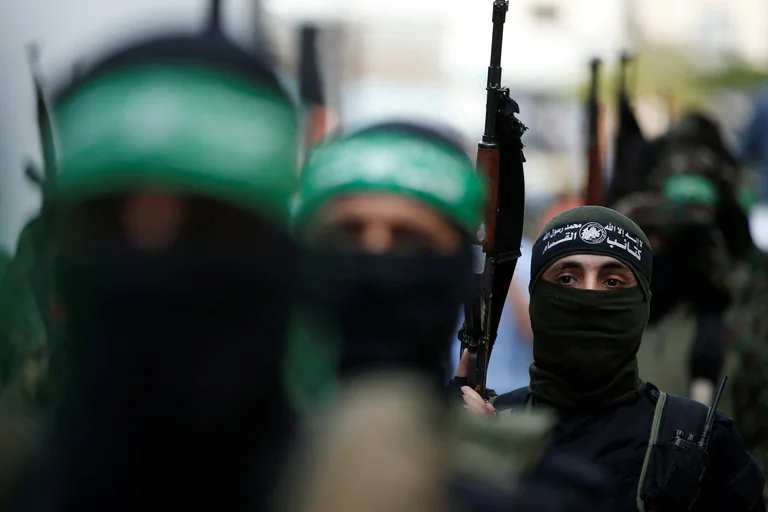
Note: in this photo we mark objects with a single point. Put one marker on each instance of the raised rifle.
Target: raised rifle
(594, 191)
(629, 144)
(500, 160)
(40, 228)
(311, 87)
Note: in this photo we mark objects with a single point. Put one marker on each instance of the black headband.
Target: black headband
(591, 237)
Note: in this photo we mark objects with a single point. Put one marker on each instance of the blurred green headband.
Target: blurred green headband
(392, 161)
(690, 189)
(183, 128)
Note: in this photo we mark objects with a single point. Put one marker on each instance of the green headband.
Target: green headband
(394, 162)
(690, 188)
(181, 128)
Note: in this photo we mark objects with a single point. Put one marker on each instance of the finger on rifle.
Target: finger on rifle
(475, 400)
(463, 369)
(468, 391)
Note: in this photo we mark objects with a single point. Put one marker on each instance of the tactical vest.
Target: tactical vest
(663, 478)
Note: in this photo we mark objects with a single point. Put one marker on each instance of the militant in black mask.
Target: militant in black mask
(391, 310)
(176, 376)
(585, 342)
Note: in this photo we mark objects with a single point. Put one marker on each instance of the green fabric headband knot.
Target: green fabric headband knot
(389, 161)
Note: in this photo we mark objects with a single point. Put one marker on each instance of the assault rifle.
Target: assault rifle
(594, 191)
(311, 87)
(500, 159)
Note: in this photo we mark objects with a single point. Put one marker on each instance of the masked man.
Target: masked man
(590, 298)
(174, 266)
(388, 214)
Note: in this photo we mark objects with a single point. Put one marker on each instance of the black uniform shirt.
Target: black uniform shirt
(617, 438)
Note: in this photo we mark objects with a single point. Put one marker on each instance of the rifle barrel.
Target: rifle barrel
(500, 8)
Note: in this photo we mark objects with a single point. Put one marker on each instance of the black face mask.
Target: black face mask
(585, 344)
(176, 364)
(391, 311)
(690, 269)
(666, 286)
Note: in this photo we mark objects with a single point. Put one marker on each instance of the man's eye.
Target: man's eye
(565, 280)
(613, 282)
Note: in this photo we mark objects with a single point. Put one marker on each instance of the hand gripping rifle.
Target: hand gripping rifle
(500, 159)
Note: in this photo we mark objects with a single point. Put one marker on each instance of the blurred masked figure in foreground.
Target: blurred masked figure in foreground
(174, 268)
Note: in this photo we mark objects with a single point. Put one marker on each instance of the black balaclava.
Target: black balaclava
(394, 311)
(174, 387)
(175, 390)
(585, 342)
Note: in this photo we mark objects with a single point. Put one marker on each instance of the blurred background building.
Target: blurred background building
(425, 59)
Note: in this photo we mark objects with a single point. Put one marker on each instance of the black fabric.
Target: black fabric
(390, 310)
(175, 399)
(310, 82)
(585, 344)
(593, 230)
(674, 469)
(616, 439)
(512, 400)
(629, 145)
(733, 221)
(666, 288)
(710, 344)
(559, 483)
(690, 269)
(565, 483)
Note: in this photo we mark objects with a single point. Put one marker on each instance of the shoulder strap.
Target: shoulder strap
(512, 400)
(672, 413)
(652, 440)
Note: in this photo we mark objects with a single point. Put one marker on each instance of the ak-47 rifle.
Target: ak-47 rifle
(594, 192)
(500, 159)
(628, 145)
(44, 179)
(43, 124)
(311, 87)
